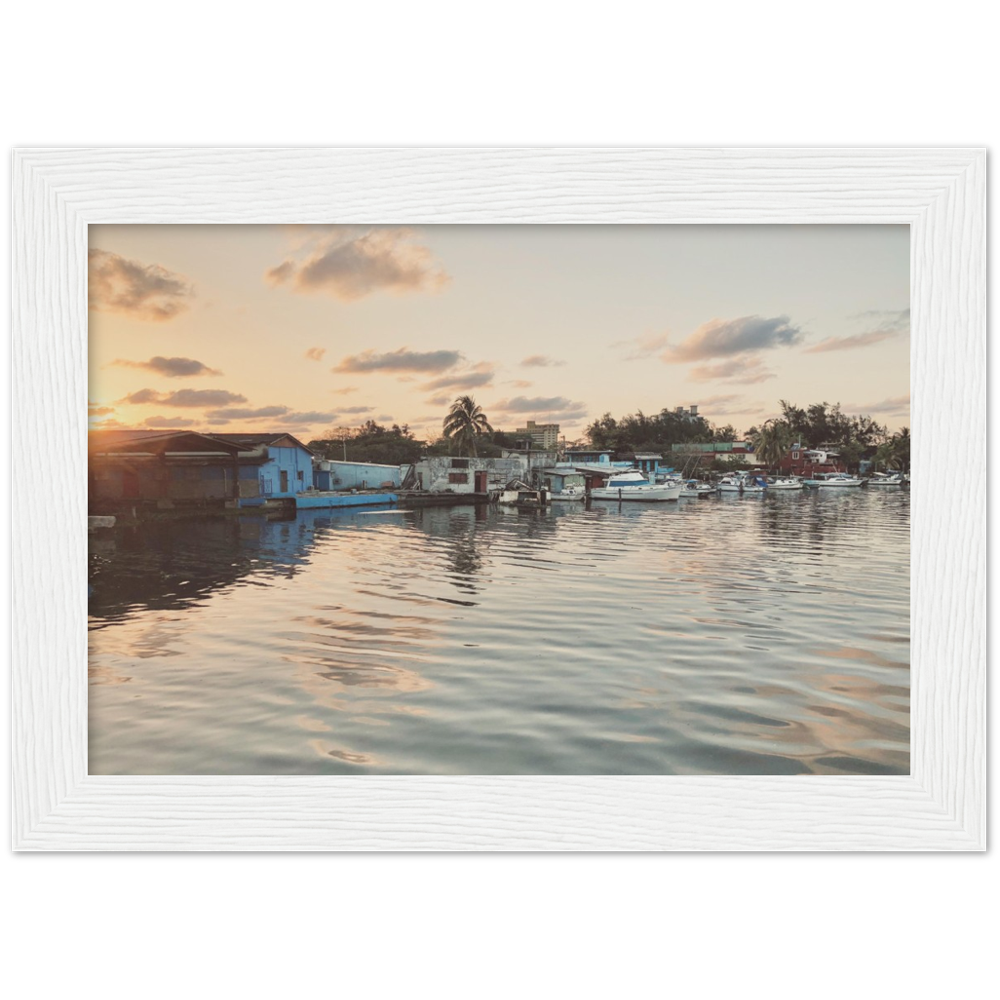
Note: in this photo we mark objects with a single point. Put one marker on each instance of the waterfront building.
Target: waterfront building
(588, 456)
(800, 461)
(442, 473)
(336, 475)
(648, 462)
(284, 465)
(557, 479)
(542, 436)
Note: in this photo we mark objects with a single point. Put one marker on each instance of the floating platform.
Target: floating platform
(318, 500)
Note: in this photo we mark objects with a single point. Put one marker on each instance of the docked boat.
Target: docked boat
(693, 489)
(631, 484)
(834, 480)
(569, 493)
(742, 483)
(730, 484)
(518, 494)
(786, 483)
(887, 479)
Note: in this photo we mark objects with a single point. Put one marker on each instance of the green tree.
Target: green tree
(466, 422)
(772, 441)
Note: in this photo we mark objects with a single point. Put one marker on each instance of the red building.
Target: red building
(808, 461)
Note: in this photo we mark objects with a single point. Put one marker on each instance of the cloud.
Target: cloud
(724, 338)
(168, 422)
(93, 410)
(142, 291)
(441, 400)
(315, 353)
(355, 409)
(247, 413)
(478, 376)
(527, 404)
(718, 400)
(540, 361)
(310, 417)
(403, 360)
(895, 405)
(728, 405)
(545, 409)
(891, 324)
(142, 396)
(742, 371)
(184, 397)
(171, 367)
(638, 348)
(344, 392)
(350, 263)
(384, 418)
(520, 383)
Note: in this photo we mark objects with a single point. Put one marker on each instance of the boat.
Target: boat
(887, 479)
(692, 489)
(631, 484)
(786, 483)
(830, 480)
(520, 495)
(569, 493)
(742, 483)
(730, 484)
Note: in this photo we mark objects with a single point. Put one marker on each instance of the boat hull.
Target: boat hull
(642, 494)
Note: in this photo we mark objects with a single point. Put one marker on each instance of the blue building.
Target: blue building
(335, 475)
(282, 464)
(649, 462)
(585, 456)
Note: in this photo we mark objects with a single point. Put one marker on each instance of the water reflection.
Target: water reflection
(744, 635)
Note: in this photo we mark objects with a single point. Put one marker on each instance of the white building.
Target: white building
(443, 473)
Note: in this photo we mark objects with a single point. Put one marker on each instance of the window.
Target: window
(458, 477)
(460, 463)
(795, 456)
(300, 475)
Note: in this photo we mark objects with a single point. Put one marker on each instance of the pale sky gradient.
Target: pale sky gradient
(306, 328)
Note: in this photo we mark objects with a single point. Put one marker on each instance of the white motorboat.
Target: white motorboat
(887, 479)
(742, 483)
(785, 484)
(631, 484)
(730, 484)
(692, 489)
(834, 480)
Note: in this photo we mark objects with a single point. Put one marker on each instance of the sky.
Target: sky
(310, 329)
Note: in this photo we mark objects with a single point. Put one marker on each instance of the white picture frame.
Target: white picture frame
(940, 193)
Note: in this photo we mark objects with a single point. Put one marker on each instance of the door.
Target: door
(284, 481)
(130, 485)
(481, 482)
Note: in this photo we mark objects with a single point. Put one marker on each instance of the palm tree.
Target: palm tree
(772, 441)
(466, 422)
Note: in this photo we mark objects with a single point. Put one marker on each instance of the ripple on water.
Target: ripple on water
(767, 635)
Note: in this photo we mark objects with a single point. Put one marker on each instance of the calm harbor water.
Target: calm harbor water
(735, 635)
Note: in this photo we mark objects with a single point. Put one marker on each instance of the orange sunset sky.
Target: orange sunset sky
(310, 328)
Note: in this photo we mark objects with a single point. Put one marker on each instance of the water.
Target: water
(741, 635)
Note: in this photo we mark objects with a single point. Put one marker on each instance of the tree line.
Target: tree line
(854, 438)
(466, 430)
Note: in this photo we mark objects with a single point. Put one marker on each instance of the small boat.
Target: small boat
(632, 484)
(520, 495)
(742, 483)
(569, 493)
(692, 489)
(887, 479)
(831, 480)
(787, 483)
